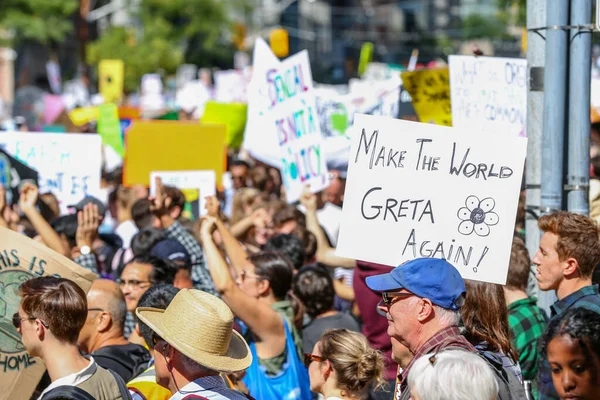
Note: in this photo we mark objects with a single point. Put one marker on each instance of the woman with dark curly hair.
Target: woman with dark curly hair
(572, 347)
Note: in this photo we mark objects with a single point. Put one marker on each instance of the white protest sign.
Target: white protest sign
(69, 165)
(282, 95)
(420, 190)
(489, 94)
(195, 185)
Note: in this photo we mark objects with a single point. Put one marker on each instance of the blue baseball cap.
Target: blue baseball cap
(171, 250)
(432, 278)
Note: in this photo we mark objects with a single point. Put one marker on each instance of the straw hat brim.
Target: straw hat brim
(237, 358)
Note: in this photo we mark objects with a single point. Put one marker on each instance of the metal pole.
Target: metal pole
(553, 135)
(536, 50)
(578, 176)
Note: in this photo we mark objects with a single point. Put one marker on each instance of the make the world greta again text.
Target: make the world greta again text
(462, 162)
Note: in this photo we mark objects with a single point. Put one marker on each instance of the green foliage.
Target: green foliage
(476, 26)
(513, 11)
(41, 20)
(172, 32)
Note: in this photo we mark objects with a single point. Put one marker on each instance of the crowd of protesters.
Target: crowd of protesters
(250, 301)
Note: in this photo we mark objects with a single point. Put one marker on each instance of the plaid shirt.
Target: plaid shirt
(587, 297)
(129, 326)
(200, 273)
(449, 337)
(87, 261)
(526, 324)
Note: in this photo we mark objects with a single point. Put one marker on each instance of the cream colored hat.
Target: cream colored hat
(200, 326)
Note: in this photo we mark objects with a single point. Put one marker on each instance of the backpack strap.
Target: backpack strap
(67, 392)
(122, 387)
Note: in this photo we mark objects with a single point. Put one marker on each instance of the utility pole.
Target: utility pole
(580, 61)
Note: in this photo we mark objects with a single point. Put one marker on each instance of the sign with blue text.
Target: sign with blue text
(489, 94)
(420, 190)
(68, 165)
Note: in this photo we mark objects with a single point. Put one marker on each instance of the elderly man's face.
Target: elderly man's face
(401, 315)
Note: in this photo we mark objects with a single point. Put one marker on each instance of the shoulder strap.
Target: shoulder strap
(67, 392)
(122, 387)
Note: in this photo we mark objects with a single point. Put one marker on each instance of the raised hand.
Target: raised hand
(88, 221)
(28, 197)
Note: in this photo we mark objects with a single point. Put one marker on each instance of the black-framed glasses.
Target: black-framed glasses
(309, 358)
(388, 297)
(245, 275)
(17, 320)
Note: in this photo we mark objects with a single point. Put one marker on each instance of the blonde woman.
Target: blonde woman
(343, 366)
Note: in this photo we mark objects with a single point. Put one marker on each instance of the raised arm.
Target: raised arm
(325, 253)
(27, 202)
(261, 319)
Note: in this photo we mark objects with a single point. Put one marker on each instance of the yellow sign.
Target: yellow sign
(111, 80)
(280, 43)
(172, 146)
(430, 93)
(84, 115)
(233, 115)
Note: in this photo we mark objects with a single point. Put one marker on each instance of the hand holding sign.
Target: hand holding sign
(308, 199)
(160, 202)
(209, 224)
(87, 225)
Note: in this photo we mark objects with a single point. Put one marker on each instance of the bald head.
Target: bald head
(106, 295)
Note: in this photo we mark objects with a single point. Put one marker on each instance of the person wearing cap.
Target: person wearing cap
(173, 251)
(421, 300)
(194, 341)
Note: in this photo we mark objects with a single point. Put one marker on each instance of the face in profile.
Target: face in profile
(549, 267)
(575, 368)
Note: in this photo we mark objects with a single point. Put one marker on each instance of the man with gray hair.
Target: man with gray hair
(421, 300)
(102, 334)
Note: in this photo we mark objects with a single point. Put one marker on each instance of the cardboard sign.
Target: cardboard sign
(195, 185)
(233, 115)
(68, 165)
(419, 190)
(111, 80)
(430, 93)
(109, 128)
(172, 146)
(285, 100)
(489, 94)
(20, 260)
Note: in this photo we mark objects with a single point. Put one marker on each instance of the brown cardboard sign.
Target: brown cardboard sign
(20, 260)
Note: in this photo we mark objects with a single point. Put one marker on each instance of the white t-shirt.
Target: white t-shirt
(73, 379)
(126, 230)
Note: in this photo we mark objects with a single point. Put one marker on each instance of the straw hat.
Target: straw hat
(200, 326)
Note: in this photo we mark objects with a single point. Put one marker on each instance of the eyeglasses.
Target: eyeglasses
(244, 275)
(389, 297)
(17, 320)
(309, 358)
(133, 283)
(95, 309)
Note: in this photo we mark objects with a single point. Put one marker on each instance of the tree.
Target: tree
(171, 32)
(475, 26)
(45, 21)
(513, 12)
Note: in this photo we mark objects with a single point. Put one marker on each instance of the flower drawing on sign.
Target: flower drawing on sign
(477, 216)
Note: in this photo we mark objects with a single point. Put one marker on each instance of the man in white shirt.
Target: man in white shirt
(51, 314)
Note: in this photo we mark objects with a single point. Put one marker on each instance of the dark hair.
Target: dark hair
(58, 302)
(66, 225)
(289, 246)
(595, 161)
(157, 296)
(580, 324)
(140, 212)
(577, 238)
(289, 213)
(145, 239)
(239, 163)
(314, 287)
(309, 242)
(520, 266)
(485, 317)
(275, 268)
(162, 271)
(176, 195)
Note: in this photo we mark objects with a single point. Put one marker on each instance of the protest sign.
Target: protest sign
(233, 115)
(111, 80)
(172, 146)
(109, 127)
(12, 174)
(419, 190)
(231, 86)
(489, 94)
(195, 185)
(68, 165)
(430, 93)
(20, 260)
(285, 101)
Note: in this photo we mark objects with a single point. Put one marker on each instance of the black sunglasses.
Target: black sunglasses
(309, 358)
(17, 320)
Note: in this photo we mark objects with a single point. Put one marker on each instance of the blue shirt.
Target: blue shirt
(587, 297)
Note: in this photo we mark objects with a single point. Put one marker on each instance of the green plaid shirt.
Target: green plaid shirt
(527, 324)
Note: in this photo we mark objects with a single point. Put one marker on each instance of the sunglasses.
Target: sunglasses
(309, 358)
(389, 297)
(17, 320)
